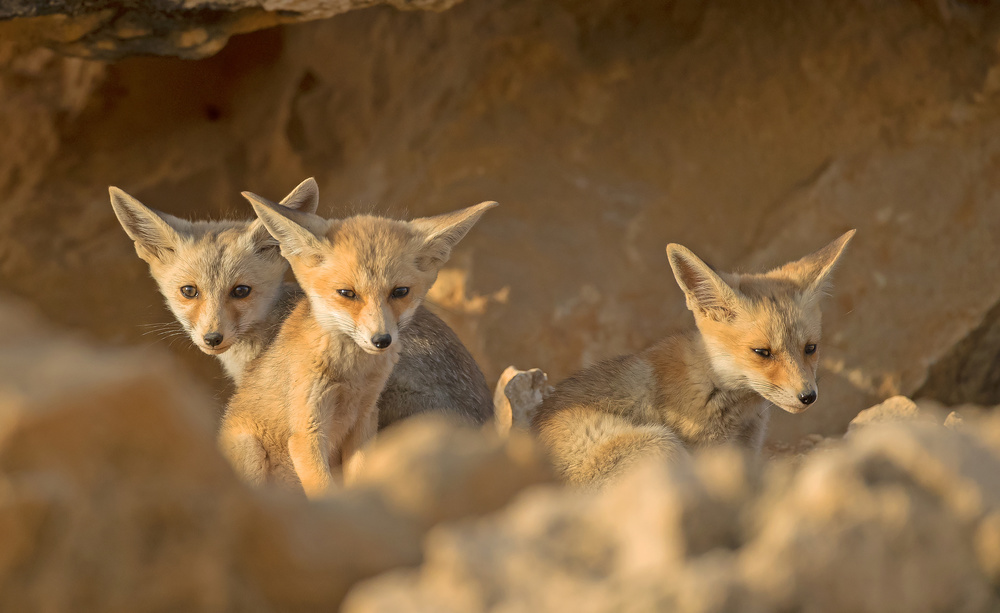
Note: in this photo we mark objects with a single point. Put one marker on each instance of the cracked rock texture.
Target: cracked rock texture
(752, 133)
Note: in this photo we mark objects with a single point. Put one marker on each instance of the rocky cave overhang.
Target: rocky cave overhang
(190, 29)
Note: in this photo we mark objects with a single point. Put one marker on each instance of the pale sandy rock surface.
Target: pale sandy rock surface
(434, 471)
(897, 408)
(113, 496)
(899, 517)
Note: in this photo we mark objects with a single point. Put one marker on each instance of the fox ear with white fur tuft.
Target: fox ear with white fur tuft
(156, 235)
(442, 232)
(295, 231)
(305, 197)
(707, 294)
(813, 272)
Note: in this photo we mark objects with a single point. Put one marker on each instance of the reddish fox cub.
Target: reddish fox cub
(224, 282)
(309, 401)
(756, 344)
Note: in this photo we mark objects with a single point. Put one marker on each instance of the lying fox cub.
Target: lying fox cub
(756, 344)
(309, 401)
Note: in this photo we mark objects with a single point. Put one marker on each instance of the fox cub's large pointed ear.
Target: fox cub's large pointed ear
(261, 240)
(706, 293)
(305, 197)
(155, 234)
(295, 231)
(813, 272)
(442, 232)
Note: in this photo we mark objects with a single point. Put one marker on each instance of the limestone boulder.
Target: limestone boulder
(886, 520)
(900, 515)
(433, 471)
(113, 496)
(557, 549)
(895, 409)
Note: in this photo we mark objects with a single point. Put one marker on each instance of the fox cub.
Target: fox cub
(224, 282)
(309, 401)
(756, 344)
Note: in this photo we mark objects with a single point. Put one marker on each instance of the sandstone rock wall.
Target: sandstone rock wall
(750, 132)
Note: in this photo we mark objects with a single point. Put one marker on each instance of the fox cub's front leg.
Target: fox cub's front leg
(245, 454)
(352, 451)
(310, 452)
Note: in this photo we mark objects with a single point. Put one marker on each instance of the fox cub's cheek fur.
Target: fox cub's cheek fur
(219, 279)
(365, 274)
(209, 311)
(372, 318)
(787, 381)
(761, 330)
(781, 370)
(376, 321)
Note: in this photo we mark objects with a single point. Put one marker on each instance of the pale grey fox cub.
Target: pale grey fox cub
(756, 344)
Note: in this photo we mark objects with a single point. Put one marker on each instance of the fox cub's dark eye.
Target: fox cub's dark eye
(346, 293)
(240, 291)
(810, 349)
(189, 291)
(399, 292)
(764, 353)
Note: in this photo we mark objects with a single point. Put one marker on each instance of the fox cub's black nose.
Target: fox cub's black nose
(212, 339)
(382, 340)
(807, 397)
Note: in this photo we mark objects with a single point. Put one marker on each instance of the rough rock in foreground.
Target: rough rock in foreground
(901, 516)
(114, 498)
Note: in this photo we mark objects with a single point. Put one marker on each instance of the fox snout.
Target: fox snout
(382, 341)
(787, 382)
(804, 393)
(376, 327)
(374, 343)
(213, 342)
(213, 339)
(211, 329)
(375, 339)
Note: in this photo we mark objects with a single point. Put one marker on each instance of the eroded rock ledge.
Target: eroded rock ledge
(108, 30)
